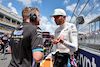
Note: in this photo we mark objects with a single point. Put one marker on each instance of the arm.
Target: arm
(36, 44)
(9, 49)
(38, 56)
(73, 45)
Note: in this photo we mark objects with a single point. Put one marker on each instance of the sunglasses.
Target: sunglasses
(57, 16)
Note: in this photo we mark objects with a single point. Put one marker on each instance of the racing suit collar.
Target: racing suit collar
(63, 25)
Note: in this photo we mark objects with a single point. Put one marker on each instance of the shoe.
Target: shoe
(4, 59)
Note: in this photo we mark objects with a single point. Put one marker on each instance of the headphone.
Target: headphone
(33, 16)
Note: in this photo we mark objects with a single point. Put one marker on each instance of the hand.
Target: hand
(59, 39)
(54, 41)
(2, 42)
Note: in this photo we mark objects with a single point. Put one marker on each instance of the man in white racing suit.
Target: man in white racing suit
(65, 40)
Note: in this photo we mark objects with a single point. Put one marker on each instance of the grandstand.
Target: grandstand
(8, 20)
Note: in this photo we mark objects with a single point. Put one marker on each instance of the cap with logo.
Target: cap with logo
(58, 12)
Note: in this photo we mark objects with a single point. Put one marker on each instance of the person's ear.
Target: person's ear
(64, 16)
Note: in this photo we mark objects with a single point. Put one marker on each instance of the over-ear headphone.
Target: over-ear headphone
(33, 16)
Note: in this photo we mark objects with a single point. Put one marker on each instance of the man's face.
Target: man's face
(38, 18)
(58, 20)
(6, 33)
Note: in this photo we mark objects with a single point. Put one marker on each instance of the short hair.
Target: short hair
(35, 9)
(27, 11)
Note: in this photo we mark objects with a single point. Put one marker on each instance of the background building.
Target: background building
(8, 20)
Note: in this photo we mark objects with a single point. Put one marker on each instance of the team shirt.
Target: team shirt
(25, 39)
(4, 38)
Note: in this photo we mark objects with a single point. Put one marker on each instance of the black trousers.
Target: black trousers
(61, 59)
(3, 48)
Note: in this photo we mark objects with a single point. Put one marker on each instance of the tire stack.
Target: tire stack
(46, 39)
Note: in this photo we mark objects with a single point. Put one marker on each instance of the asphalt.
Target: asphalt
(5, 63)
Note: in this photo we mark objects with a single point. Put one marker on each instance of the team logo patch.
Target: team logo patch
(5, 38)
(38, 30)
(71, 46)
(72, 26)
(62, 36)
(58, 31)
(39, 45)
(74, 31)
(66, 29)
(18, 32)
(16, 41)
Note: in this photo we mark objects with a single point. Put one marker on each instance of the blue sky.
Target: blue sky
(47, 7)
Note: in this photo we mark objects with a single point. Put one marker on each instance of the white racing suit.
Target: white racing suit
(68, 32)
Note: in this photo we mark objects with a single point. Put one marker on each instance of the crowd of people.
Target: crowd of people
(26, 42)
(87, 35)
